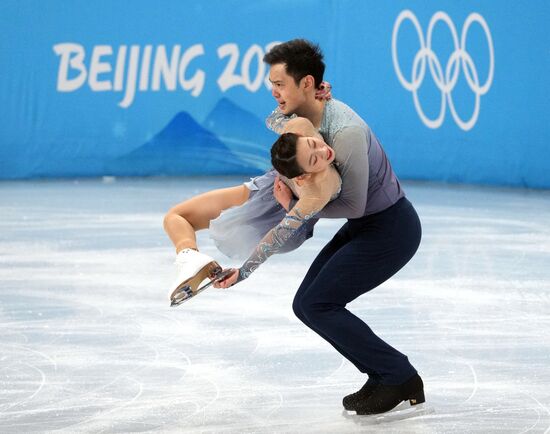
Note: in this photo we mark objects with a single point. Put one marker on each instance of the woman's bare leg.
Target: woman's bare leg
(184, 219)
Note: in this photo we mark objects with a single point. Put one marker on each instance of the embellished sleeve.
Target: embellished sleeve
(274, 241)
(277, 120)
(314, 197)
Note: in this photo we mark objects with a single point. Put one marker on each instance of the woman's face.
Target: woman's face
(313, 154)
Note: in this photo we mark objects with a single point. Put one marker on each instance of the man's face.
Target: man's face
(289, 96)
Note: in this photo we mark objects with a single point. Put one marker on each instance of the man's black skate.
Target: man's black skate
(351, 401)
(384, 398)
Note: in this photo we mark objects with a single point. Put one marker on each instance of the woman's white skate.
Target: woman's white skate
(193, 269)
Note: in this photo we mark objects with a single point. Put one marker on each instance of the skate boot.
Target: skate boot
(385, 397)
(351, 401)
(193, 268)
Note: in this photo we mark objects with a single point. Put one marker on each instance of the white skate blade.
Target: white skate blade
(402, 411)
(185, 293)
(193, 283)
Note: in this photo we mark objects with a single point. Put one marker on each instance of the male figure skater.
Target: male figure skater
(382, 233)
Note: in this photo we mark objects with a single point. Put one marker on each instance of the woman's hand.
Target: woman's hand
(324, 91)
(228, 281)
(282, 193)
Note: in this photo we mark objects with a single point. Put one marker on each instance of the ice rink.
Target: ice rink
(89, 343)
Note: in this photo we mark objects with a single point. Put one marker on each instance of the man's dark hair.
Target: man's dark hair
(301, 58)
(283, 156)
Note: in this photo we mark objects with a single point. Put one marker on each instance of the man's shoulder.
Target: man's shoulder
(339, 116)
(351, 130)
(340, 105)
(343, 108)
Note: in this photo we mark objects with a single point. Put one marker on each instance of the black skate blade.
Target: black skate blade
(405, 413)
(185, 293)
(402, 411)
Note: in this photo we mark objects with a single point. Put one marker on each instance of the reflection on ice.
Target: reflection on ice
(88, 341)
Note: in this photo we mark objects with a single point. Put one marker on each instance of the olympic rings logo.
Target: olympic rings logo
(445, 81)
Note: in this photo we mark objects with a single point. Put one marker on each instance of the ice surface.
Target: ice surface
(88, 342)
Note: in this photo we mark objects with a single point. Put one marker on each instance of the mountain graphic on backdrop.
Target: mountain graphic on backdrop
(244, 133)
(183, 147)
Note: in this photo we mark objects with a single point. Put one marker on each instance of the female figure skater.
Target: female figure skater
(238, 217)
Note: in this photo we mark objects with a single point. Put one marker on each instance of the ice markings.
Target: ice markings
(88, 343)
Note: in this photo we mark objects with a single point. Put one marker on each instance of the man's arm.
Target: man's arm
(351, 148)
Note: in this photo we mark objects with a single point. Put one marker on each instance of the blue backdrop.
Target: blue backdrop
(456, 91)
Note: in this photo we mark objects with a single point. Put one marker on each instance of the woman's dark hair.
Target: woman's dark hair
(301, 58)
(283, 156)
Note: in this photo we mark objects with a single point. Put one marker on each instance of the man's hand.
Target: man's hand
(282, 193)
(228, 281)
